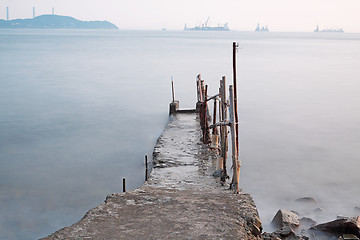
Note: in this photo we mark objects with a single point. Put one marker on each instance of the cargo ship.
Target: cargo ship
(205, 27)
(329, 30)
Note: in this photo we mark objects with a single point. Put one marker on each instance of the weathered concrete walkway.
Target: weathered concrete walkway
(180, 201)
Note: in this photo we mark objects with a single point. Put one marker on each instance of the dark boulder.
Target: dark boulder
(341, 226)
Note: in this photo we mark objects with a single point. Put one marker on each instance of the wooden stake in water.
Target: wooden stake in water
(172, 87)
(146, 168)
(124, 183)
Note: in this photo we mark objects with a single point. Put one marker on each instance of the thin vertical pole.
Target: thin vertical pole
(206, 129)
(124, 183)
(202, 88)
(236, 164)
(172, 87)
(220, 120)
(198, 87)
(224, 128)
(235, 95)
(214, 117)
(146, 168)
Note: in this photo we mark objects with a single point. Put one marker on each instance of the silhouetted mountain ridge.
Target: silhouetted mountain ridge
(56, 21)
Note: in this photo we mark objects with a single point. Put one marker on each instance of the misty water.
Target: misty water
(80, 109)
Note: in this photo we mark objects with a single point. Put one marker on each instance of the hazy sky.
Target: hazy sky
(279, 15)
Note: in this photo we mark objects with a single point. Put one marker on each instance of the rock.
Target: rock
(306, 223)
(285, 218)
(357, 210)
(269, 236)
(349, 237)
(255, 225)
(341, 226)
(217, 173)
(319, 211)
(304, 234)
(284, 233)
(307, 200)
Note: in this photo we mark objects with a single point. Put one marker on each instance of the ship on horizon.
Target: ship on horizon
(328, 29)
(262, 29)
(205, 27)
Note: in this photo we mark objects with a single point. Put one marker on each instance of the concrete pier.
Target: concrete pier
(181, 200)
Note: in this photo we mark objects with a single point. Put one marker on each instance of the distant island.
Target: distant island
(55, 22)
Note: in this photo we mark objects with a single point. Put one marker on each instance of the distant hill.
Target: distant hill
(54, 22)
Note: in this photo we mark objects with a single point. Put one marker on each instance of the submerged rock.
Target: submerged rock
(357, 210)
(306, 223)
(319, 211)
(306, 200)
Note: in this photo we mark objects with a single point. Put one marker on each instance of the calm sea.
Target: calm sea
(80, 109)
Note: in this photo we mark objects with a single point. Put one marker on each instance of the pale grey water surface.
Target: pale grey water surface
(80, 109)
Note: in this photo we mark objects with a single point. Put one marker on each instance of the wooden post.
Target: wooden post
(199, 93)
(146, 168)
(215, 134)
(124, 188)
(215, 130)
(206, 139)
(220, 161)
(199, 89)
(202, 90)
(174, 105)
(236, 163)
(224, 145)
(172, 87)
(235, 95)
